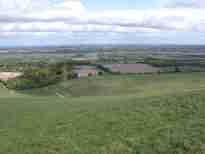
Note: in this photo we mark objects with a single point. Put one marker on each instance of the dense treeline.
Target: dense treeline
(36, 76)
(174, 62)
(160, 62)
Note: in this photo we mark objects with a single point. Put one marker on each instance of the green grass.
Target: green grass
(140, 114)
(141, 85)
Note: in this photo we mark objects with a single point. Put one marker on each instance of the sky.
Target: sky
(73, 22)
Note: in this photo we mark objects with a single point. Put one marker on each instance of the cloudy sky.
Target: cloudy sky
(66, 22)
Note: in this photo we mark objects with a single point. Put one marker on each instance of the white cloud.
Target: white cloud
(71, 16)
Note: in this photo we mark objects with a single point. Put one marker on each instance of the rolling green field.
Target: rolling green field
(123, 85)
(145, 114)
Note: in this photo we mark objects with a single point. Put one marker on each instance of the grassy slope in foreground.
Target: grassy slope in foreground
(172, 123)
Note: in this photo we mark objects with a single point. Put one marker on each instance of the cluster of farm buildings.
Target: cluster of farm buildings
(5, 76)
(93, 70)
(138, 68)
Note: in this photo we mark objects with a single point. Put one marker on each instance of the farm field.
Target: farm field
(125, 114)
(121, 85)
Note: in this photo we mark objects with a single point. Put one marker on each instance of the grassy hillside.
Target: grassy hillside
(141, 85)
(6, 93)
(144, 114)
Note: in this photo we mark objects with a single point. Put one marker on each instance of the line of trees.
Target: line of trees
(36, 77)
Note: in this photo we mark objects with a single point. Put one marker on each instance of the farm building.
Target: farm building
(85, 71)
(132, 68)
(5, 76)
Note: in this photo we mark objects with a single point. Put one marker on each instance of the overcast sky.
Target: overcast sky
(66, 22)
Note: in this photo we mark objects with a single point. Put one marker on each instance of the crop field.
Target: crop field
(128, 114)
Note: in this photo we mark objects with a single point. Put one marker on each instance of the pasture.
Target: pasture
(121, 85)
(128, 114)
